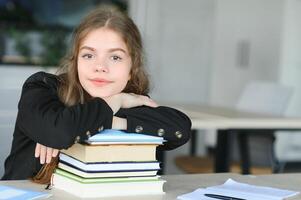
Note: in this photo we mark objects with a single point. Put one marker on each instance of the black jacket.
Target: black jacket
(43, 118)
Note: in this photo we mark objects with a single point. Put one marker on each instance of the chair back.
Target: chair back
(265, 97)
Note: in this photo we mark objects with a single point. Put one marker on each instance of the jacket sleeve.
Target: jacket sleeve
(46, 120)
(173, 125)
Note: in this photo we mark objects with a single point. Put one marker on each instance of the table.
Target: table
(226, 120)
(181, 184)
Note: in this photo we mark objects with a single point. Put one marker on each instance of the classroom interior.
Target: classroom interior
(229, 54)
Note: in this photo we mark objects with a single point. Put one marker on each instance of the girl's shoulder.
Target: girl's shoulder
(42, 76)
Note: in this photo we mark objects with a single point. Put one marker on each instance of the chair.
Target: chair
(265, 98)
(258, 97)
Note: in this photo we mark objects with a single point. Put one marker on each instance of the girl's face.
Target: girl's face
(103, 63)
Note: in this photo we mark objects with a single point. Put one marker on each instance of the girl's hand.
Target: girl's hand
(45, 153)
(128, 100)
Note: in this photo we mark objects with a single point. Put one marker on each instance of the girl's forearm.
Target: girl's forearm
(119, 123)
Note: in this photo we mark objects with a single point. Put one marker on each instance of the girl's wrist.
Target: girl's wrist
(114, 102)
(119, 123)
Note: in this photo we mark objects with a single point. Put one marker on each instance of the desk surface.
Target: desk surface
(214, 117)
(180, 184)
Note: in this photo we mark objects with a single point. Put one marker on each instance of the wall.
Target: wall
(178, 42)
(178, 38)
(257, 22)
(288, 145)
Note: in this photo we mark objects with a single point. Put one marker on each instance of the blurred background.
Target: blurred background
(197, 52)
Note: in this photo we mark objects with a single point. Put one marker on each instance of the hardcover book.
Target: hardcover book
(106, 189)
(111, 136)
(112, 152)
(89, 174)
(106, 166)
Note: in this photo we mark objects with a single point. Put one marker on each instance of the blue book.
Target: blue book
(111, 136)
(12, 193)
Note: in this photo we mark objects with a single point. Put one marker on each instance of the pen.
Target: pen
(216, 196)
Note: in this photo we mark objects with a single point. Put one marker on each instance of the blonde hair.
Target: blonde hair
(70, 90)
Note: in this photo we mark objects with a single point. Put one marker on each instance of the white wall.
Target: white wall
(178, 38)
(178, 41)
(258, 22)
(288, 146)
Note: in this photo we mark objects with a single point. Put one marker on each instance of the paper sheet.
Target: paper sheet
(232, 188)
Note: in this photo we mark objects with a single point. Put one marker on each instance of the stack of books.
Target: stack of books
(111, 163)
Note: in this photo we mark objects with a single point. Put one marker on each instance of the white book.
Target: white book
(85, 174)
(238, 190)
(109, 189)
(112, 166)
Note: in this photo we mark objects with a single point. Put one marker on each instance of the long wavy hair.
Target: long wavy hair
(70, 90)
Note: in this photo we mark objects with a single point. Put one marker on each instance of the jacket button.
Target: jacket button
(77, 139)
(88, 134)
(139, 129)
(178, 134)
(100, 128)
(161, 132)
(45, 80)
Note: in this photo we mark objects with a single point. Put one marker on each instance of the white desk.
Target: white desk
(181, 184)
(227, 120)
(214, 117)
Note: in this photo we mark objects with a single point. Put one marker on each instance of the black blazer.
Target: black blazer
(43, 118)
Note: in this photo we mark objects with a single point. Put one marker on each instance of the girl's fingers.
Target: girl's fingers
(37, 150)
(42, 154)
(45, 153)
(55, 152)
(133, 100)
(149, 102)
(152, 103)
(48, 154)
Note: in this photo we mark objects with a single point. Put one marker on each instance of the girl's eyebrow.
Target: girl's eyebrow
(110, 50)
(88, 48)
(117, 49)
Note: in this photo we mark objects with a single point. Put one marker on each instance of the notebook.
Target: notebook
(235, 189)
(12, 193)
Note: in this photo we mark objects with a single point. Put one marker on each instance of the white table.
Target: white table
(181, 184)
(226, 120)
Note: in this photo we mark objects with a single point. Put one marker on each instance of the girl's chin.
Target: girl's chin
(105, 95)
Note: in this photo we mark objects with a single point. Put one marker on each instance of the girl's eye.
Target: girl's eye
(87, 56)
(116, 58)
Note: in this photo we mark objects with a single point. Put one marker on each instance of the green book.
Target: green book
(103, 180)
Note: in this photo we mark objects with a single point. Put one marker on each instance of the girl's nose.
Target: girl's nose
(101, 68)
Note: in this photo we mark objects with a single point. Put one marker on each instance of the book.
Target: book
(112, 153)
(106, 166)
(106, 189)
(103, 180)
(92, 174)
(232, 189)
(12, 193)
(111, 136)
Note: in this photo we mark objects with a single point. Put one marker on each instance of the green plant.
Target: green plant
(22, 42)
(54, 46)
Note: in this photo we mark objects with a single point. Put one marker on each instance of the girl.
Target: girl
(102, 85)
